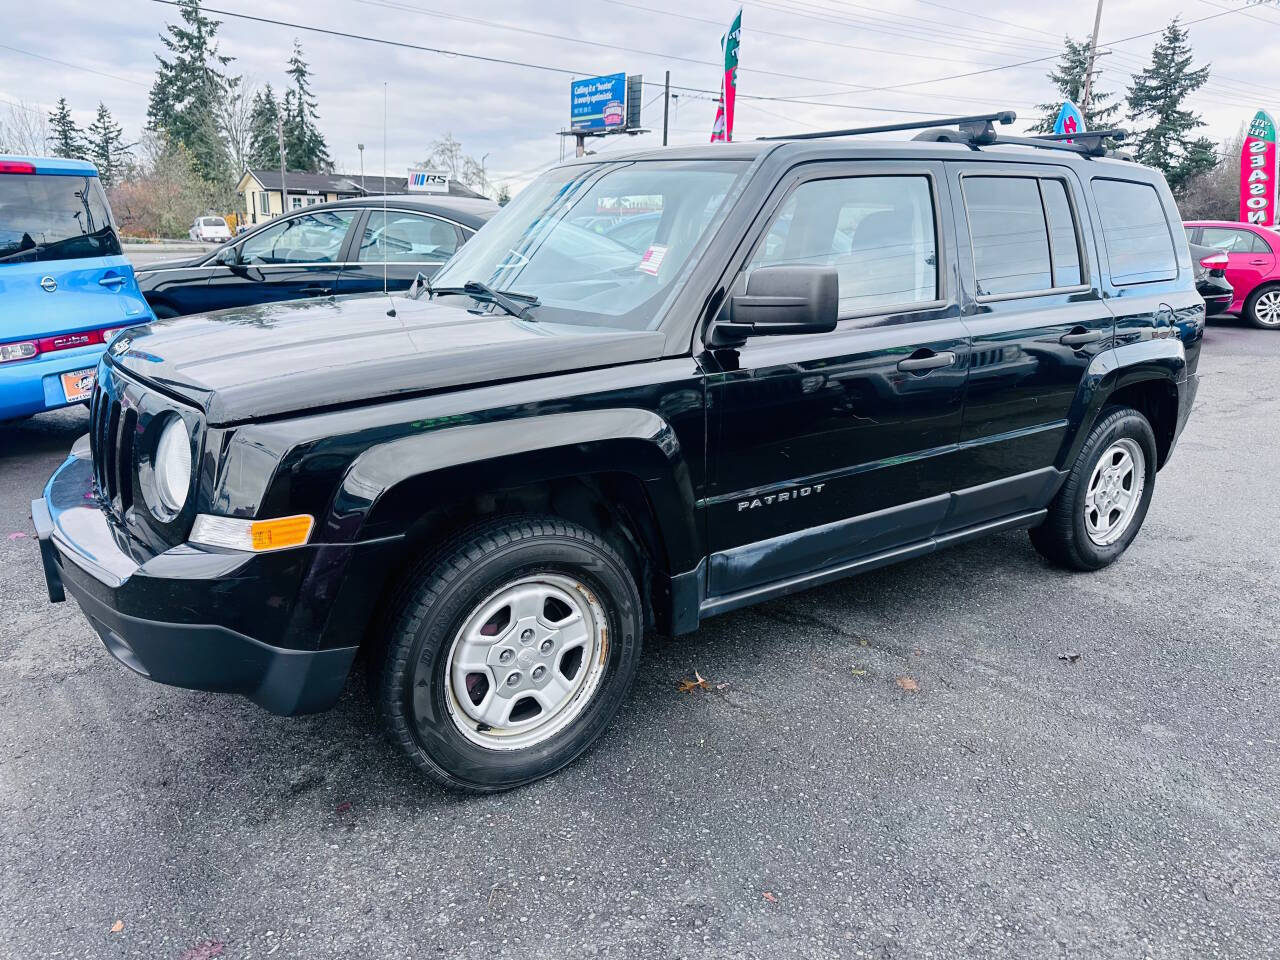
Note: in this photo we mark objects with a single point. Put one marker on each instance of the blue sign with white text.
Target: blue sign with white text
(598, 103)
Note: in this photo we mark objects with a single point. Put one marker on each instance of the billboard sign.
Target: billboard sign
(599, 103)
(1258, 172)
(428, 181)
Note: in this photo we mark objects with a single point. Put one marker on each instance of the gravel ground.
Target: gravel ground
(1014, 804)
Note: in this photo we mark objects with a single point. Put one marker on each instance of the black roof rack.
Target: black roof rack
(977, 126)
(979, 131)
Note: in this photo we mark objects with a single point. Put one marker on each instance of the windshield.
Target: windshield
(214, 222)
(602, 244)
(45, 217)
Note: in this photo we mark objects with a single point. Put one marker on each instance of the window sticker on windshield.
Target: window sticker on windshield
(651, 262)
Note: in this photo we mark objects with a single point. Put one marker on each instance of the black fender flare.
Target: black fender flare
(1158, 359)
(457, 460)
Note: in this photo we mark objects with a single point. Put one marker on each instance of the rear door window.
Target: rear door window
(44, 218)
(1009, 235)
(1137, 235)
(1228, 240)
(407, 238)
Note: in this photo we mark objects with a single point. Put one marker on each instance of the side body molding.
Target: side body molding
(386, 487)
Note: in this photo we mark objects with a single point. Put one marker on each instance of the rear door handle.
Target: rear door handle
(930, 362)
(1080, 335)
(1258, 263)
(316, 291)
(110, 281)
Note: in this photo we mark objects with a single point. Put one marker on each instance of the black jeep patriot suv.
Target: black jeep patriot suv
(653, 389)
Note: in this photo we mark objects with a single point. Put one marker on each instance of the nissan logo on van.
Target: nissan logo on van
(48, 284)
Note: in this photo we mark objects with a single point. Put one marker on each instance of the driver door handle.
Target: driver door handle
(929, 361)
(110, 281)
(1080, 335)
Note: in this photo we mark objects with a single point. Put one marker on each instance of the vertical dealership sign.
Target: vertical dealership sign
(1070, 119)
(722, 130)
(1258, 172)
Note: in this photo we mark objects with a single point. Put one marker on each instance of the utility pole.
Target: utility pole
(284, 193)
(666, 106)
(1093, 55)
(360, 147)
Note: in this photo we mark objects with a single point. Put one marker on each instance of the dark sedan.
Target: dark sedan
(326, 249)
(1211, 278)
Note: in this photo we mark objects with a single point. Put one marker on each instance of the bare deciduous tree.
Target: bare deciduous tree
(24, 130)
(235, 121)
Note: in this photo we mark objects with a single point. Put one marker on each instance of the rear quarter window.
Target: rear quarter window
(45, 217)
(1136, 232)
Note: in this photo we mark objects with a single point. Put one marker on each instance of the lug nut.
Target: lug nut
(538, 671)
(526, 636)
(546, 646)
(505, 656)
(513, 678)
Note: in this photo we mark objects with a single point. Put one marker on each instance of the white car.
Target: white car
(210, 230)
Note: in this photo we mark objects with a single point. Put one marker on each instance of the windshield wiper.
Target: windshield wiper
(516, 304)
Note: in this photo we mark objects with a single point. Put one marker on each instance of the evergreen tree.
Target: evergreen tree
(264, 146)
(189, 88)
(1156, 99)
(304, 144)
(65, 138)
(105, 146)
(1067, 78)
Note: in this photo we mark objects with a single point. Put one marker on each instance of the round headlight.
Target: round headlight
(173, 465)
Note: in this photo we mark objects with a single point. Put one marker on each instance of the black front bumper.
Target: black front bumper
(159, 616)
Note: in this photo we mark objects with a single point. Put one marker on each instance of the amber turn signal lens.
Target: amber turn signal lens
(284, 532)
(256, 536)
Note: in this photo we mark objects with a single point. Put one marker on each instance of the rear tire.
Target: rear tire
(509, 653)
(1101, 506)
(1262, 309)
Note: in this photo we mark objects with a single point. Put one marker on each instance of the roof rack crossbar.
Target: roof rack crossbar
(979, 127)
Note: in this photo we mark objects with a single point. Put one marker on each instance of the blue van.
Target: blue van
(65, 286)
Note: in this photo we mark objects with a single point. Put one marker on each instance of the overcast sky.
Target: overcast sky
(831, 53)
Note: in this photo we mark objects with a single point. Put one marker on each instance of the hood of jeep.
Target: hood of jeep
(276, 359)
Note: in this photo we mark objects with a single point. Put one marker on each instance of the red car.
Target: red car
(1253, 266)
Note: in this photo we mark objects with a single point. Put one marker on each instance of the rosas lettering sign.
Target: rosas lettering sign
(1258, 172)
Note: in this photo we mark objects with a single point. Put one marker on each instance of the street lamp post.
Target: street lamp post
(484, 181)
(360, 147)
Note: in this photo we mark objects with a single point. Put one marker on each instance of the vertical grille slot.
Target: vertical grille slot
(124, 458)
(110, 449)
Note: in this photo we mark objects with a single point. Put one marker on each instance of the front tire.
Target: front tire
(1101, 506)
(1262, 309)
(509, 653)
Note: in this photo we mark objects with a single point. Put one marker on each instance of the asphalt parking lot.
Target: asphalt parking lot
(898, 766)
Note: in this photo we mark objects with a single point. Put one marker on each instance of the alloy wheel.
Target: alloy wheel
(1115, 491)
(1267, 308)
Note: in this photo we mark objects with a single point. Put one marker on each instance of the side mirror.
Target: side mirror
(228, 256)
(779, 300)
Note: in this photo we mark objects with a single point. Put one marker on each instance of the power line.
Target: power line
(1009, 66)
(786, 36)
(73, 66)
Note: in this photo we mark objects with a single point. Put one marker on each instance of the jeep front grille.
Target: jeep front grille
(111, 431)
